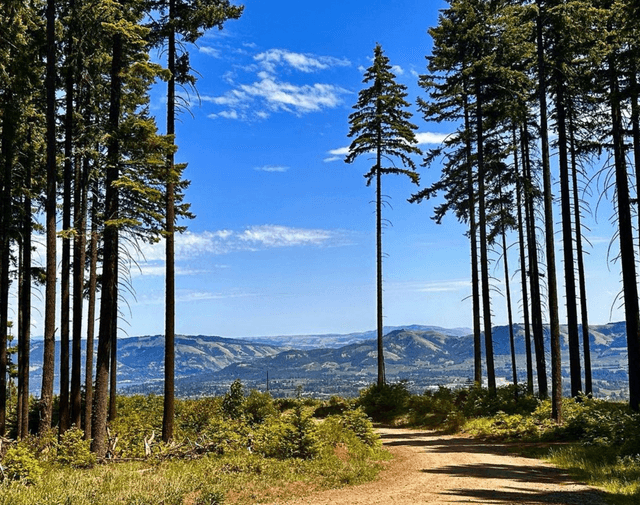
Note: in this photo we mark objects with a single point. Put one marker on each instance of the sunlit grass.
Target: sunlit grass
(241, 478)
(600, 467)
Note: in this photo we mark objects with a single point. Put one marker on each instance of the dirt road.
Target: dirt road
(438, 469)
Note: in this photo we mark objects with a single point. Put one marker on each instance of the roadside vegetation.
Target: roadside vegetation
(247, 447)
(598, 441)
(236, 449)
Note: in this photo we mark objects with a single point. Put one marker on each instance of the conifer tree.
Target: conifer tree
(182, 21)
(381, 125)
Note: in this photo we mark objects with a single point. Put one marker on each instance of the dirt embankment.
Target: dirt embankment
(439, 469)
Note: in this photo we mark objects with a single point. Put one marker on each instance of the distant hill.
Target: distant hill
(423, 355)
(332, 341)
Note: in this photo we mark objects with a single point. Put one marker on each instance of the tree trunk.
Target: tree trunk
(567, 240)
(91, 309)
(8, 142)
(381, 372)
(113, 353)
(169, 350)
(512, 342)
(110, 262)
(79, 258)
(473, 238)
(523, 265)
(552, 290)
(586, 347)
(24, 339)
(627, 255)
(48, 360)
(65, 296)
(534, 276)
(484, 259)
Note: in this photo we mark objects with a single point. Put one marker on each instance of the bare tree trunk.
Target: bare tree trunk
(79, 258)
(8, 141)
(24, 339)
(170, 308)
(523, 265)
(91, 309)
(586, 347)
(484, 259)
(48, 360)
(567, 241)
(381, 371)
(552, 290)
(110, 264)
(534, 277)
(473, 238)
(627, 255)
(113, 356)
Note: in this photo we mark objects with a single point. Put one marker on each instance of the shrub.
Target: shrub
(383, 403)
(294, 436)
(233, 400)
(74, 451)
(335, 406)
(19, 463)
(258, 407)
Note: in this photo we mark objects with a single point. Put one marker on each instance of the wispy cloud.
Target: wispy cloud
(270, 93)
(272, 168)
(210, 51)
(190, 296)
(191, 245)
(302, 62)
(337, 154)
(452, 285)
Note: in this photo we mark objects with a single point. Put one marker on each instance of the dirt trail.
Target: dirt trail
(439, 469)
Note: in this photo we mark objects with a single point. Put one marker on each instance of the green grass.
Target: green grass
(253, 453)
(240, 478)
(618, 476)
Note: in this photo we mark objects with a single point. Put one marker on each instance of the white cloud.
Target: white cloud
(191, 245)
(431, 287)
(282, 236)
(270, 93)
(228, 114)
(431, 138)
(337, 154)
(210, 51)
(397, 69)
(303, 62)
(272, 168)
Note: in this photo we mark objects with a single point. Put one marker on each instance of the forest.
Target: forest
(530, 87)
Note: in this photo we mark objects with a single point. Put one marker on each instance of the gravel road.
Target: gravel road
(442, 469)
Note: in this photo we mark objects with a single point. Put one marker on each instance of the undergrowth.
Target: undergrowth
(241, 448)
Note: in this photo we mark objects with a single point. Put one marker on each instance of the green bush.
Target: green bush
(192, 416)
(258, 407)
(74, 451)
(233, 400)
(293, 436)
(335, 406)
(383, 403)
(19, 463)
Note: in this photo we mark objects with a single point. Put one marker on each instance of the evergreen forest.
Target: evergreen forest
(535, 92)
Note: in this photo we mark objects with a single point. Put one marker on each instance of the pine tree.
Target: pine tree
(381, 125)
(183, 21)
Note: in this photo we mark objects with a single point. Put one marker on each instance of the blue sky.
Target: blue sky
(283, 241)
